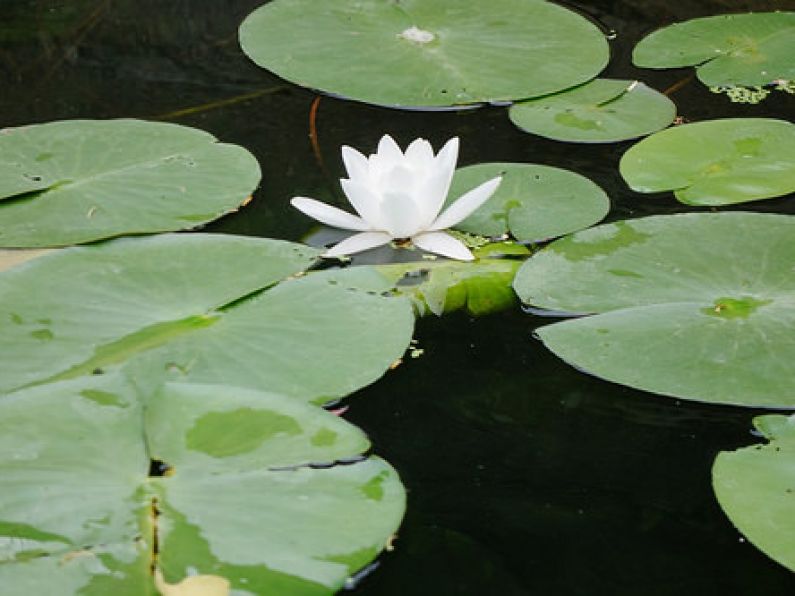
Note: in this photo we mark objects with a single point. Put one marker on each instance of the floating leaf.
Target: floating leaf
(755, 487)
(440, 285)
(423, 53)
(716, 162)
(317, 338)
(728, 50)
(170, 306)
(600, 111)
(533, 202)
(95, 477)
(681, 310)
(81, 180)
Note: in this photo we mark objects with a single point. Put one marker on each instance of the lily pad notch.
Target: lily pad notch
(600, 111)
(715, 162)
(677, 309)
(77, 181)
(730, 51)
(171, 306)
(254, 497)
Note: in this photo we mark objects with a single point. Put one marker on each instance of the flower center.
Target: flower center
(416, 35)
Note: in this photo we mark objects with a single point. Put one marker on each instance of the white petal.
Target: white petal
(355, 164)
(419, 154)
(448, 155)
(389, 149)
(365, 201)
(359, 243)
(331, 216)
(466, 204)
(443, 244)
(437, 185)
(399, 179)
(401, 214)
(385, 158)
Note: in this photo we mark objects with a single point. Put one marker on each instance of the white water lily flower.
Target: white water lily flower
(398, 196)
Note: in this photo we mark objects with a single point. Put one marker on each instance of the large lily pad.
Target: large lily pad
(106, 491)
(698, 306)
(729, 50)
(755, 487)
(716, 162)
(600, 111)
(532, 203)
(170, 306)
(425, 53)
(76, 181)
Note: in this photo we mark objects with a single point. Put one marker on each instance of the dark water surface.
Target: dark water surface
(524, 475)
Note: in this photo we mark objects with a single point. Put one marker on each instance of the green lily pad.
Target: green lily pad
(439, 286)
(755, 487)
(425, 53)
(600, 111)
(77, 181)
(716, 162)
(533, 202)
(171, 307)
(699, 306)
(728, 50)
(108, 491)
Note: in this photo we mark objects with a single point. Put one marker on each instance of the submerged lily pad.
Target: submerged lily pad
(77, 181)
(170, 306)
(424, 53)
(699, 306)
(108, 491)
(728, 50)
(755, 487)
(532, 203)
(440, 285)
(600, 111)
(716, 162)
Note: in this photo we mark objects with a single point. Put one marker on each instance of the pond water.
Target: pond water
(524, 475)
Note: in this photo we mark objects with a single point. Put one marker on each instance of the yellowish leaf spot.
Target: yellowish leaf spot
(195, 585)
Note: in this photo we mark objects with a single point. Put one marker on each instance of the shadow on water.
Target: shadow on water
(524, 475)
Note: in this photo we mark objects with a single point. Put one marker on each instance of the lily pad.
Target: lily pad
(728, 50)
(108, 491)
(533, 202)
(425, 53)
(755, 487)
(716, 162)
(699, 306)
(481, 287)
(600, 111)
(77, 181)
(171, 307)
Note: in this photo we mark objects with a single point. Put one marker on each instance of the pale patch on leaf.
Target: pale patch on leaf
(195, 585)
(12, 257)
